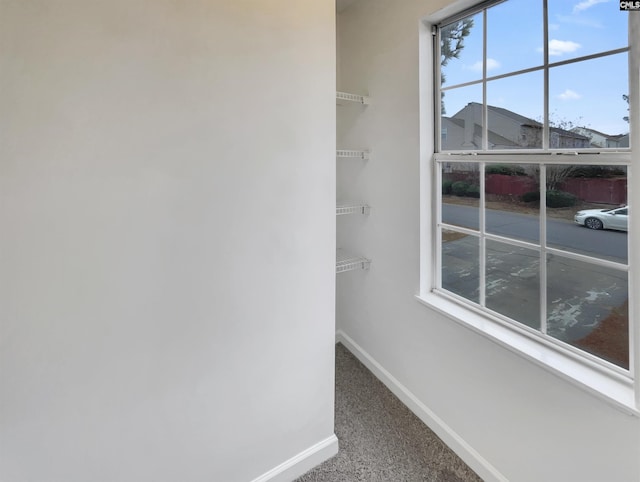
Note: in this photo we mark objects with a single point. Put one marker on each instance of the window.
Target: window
(532, 160)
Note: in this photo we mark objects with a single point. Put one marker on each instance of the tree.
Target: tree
(451, 44)
(563, 133)
(625, 97)
(556, 174)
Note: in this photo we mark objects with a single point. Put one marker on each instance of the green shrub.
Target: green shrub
(560, 199)
(459, 188)
(531, 196)
(505, 169)
(597, 171)
(473, 191)
(446, 187)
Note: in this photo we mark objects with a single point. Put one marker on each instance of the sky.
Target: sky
(586, 94)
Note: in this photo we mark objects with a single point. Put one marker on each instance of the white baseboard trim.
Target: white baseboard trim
(302, 463)
(467, 453)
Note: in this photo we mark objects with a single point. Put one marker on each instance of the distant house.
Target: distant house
(621, 140)
(506, 130)
(600, 139)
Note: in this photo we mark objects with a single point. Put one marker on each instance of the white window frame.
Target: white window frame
(618, 387)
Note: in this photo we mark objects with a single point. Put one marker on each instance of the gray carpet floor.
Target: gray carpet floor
(380, 438)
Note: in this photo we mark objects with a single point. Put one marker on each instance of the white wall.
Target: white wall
(524, 423)
(167, 186)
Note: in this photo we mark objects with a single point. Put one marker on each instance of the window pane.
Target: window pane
(461, 51)
(513, 282)
(460, 194)
(508, 20)
(514, 119)
(583, 206)
(587, 307)
(461, 122)
(512, 199)
(460, 264)
(583, 28)
(585, 212)
(586, 103)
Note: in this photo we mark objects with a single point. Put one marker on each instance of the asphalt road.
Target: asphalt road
(561, 234)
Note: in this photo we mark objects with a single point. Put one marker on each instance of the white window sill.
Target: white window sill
(612, 387)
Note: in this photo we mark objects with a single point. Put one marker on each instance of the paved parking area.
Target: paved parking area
(580, 295)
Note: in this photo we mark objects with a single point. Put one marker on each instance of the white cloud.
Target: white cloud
(569, 95)
(491, 65)
(559, 47)
(585, 4)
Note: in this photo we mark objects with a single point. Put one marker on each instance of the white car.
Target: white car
(603, 218)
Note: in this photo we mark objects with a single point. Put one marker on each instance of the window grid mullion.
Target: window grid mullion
(634, 281)
(485, 114)
(437, 95)
(543, 171)
(545, 60)
(528, 70)
(543, 249)
(631, 313)
(437, 256)
(483, 240)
